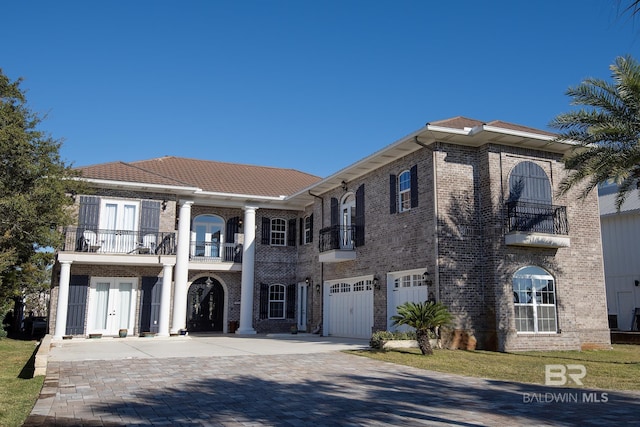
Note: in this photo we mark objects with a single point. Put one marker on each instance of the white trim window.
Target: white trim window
(308, 231)
(278, 232)
(534, 300)
(277, 302)
(404, 191)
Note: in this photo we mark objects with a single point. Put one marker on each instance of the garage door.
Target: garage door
(349, 309)
(404, 288)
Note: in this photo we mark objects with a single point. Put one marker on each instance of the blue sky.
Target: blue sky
(309, 85)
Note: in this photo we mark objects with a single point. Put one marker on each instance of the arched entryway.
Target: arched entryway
(205, 306)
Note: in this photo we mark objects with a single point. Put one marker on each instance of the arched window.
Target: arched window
(528, 182)
(534, 299)
(207, 235)
(276, 301)
(348, 221)
(404, 191)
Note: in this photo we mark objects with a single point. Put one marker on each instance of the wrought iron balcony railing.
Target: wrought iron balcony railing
(536, 218)
(337, 237)
(78, 239)
(202, 251)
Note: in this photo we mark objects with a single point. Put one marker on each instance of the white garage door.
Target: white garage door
(349, 308)
(404, 287)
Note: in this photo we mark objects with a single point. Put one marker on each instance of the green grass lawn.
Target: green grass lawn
(17, 392)
(617, 369)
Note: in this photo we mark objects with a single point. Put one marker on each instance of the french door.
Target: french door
(112, 305)
(119, 220)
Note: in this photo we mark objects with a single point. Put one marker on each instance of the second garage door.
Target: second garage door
(349, 308)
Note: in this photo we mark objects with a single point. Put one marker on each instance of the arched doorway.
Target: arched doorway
(205, 306)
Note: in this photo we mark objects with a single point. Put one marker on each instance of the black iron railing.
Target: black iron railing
(337, 237)
(79, 239)
(202, 251)
(536, 218)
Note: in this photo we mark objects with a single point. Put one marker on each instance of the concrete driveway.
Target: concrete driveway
(290, 381)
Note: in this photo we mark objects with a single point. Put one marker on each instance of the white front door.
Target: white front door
(303, 290)
(112, 305)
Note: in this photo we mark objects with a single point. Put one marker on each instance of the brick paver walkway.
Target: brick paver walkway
(305, 390)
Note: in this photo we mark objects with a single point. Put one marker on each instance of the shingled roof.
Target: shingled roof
(210, 176)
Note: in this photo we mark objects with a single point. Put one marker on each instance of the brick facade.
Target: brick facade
(455, 233)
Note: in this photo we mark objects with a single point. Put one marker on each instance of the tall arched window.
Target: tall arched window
(347, 221)
(207, 235)
(404, 191)
(534, 299)
(528, 182)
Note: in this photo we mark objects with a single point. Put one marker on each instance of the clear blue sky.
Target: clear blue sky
(309, 85)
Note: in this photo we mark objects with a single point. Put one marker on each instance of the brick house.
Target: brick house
(460, 211)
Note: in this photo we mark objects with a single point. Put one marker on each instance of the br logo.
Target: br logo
(557, 374)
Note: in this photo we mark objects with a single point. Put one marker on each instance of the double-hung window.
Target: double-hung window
(278, 232)
(276, 301)
(534, 299)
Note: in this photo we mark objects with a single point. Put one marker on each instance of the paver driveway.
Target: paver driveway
(312, 388)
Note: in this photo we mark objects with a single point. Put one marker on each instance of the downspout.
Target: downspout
(436, 246)
(321, 264)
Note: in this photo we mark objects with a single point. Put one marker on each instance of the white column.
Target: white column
(248, 261)
(182, 269)
(63, 299)
(165, 300)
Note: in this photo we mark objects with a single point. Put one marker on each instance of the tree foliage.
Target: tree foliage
(606, 130)
(33, 193)
(423, 316)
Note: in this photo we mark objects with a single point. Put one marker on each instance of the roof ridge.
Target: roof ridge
(235, 164)
(157, 174)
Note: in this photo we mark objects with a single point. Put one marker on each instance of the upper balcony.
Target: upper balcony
(337, 243)
(119, 242)
(126, 242)
(536, 225)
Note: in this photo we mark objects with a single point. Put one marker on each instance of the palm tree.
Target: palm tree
(606, 131)
(423, 316)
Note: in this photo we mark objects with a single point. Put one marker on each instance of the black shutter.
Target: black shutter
(233, 226)
(335, 212)
(149, 216)
(150, 304)
(414, 186)
(291, 233)
(264, 300)
(392, 194)
(266, 231)
(76, 307)
(310, 228)
(360, 216)
(302, 232)
(291, 301)
(88, 219)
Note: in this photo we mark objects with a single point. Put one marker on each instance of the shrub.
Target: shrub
(379, 337)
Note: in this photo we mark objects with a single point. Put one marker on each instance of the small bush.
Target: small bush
(378, 338)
